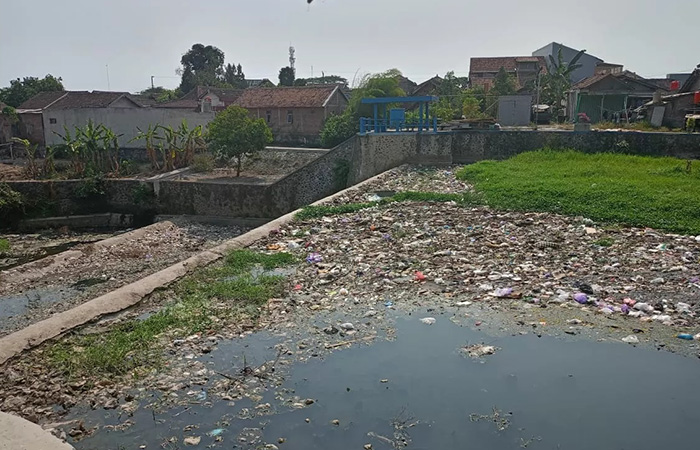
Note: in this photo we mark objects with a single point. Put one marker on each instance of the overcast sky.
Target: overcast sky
(78, 39)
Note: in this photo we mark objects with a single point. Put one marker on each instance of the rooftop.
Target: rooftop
(509, 63)
(314, 96)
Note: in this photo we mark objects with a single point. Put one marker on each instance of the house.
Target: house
(610, 94)
(406, 84)
(428, 87)
(295, 114)
(483, 71)
(587, 61)
(678, 107)
(204, 99)
(44, 117)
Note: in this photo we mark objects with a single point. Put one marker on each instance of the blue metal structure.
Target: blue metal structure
(396, 122)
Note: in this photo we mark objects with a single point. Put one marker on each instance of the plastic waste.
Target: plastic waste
(215, 432)
(419, 276)
(631, 339)
(581, 298)
(314, 258)
(685, 336)
(202, 395)
(428, 320)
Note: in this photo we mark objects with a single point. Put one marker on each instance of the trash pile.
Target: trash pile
(396, 251)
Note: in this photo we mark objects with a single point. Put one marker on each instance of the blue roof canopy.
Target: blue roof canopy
(384, 100)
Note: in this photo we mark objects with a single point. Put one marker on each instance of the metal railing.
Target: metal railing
(370, 125)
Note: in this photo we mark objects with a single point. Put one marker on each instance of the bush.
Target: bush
(338, 129)
(11, 204)
(203, 162)
(233, 134)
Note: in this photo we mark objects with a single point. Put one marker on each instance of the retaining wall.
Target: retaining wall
(349, 163)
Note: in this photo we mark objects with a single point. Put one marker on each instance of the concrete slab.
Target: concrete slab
(19, 434)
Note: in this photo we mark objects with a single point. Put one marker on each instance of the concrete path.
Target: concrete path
(19, 434)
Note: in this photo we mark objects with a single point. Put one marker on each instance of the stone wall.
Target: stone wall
(355, 160)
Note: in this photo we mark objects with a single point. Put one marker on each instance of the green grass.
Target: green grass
(663, 193)
(228, 291)
(315, 211)
(604, 242)
(4, 246)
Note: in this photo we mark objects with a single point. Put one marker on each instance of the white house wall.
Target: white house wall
(124, 121)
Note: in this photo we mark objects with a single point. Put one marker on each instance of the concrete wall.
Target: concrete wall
(349, 163)
(478, 145)
(123, 121)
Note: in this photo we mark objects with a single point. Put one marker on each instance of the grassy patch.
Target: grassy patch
(610, 187)
(4, 246)
(228, 291)
(314, 211)
(604, 242)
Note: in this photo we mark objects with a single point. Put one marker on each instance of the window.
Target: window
(268, 116)
(290, 116)
(52, 121)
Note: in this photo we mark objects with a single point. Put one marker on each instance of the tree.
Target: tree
(160, 94)
(325, 79)
(557, 81)
(338, 128)
(20, 91)
(233, 134)
(287, 76)
(234, 76)
(503, 84)
(385, 84)
(201, 65)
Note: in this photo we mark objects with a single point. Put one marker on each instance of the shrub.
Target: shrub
(203, 162)
(338, 129)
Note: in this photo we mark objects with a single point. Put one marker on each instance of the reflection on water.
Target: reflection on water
(422, 391)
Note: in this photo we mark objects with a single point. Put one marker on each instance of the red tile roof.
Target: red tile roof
(76, 99)
(507, 62)
(42, 100)
(286, 97)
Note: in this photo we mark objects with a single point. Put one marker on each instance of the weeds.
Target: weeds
(610, 187)
(4, 246)
(604, 242)
(204, 301)
(314, 211)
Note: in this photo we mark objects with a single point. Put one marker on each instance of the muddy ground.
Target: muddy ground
(505, 273)
(86, 269)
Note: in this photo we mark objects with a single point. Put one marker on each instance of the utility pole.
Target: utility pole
(108, 86)
(152, 86)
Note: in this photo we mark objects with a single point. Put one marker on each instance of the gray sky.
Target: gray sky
(76, 39)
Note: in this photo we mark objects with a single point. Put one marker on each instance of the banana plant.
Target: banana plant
(150, 138)
(192, 141)
(171, 147)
